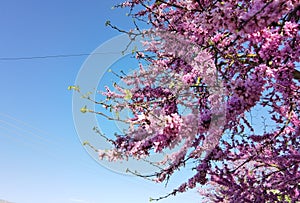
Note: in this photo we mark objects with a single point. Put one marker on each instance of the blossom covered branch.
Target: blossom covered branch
(219, 60)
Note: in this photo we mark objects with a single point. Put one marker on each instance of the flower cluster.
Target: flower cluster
(252, 49)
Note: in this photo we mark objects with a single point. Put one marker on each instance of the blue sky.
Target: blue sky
(42, 160)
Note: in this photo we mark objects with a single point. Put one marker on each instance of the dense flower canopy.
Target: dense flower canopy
(219, 60)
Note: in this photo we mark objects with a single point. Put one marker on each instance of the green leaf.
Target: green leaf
(210, 42)
(172, 84)
(128, 95)
(198, 81)
(75, 88)
(84, 109)
(158, 3)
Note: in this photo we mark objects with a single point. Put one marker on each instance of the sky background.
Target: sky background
(41, 157)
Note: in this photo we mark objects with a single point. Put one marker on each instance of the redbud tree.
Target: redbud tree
(205, 66)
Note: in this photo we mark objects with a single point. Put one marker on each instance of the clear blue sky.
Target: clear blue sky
(41, 158)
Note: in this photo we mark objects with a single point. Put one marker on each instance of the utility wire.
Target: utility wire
(54, 56)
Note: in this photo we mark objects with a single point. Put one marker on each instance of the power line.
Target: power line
(54, 56)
